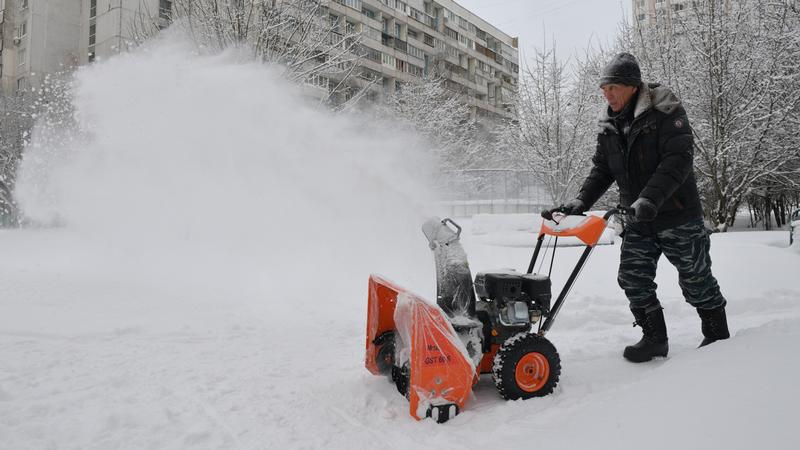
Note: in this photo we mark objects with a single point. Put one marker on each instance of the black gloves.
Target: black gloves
(646, 210)
(571, 208)
(574, 207)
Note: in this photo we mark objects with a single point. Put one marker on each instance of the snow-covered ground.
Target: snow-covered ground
(208, 290)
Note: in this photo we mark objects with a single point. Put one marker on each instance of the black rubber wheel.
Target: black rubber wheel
(527, 365)
(401, 377)
(385, 355)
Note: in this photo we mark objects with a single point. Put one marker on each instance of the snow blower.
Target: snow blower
(434, 354)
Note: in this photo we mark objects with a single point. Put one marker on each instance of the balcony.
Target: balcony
(355, 4)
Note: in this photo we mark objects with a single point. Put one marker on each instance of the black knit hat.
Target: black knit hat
(623, 69)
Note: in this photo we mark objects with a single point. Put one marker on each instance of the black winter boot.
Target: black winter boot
(654, 331)
(714, 325)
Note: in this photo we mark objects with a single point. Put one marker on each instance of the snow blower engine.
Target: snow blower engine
(434, 354)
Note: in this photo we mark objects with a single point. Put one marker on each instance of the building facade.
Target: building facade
(406, 40)
(38, 37)
(646, 11)
(401, 41)
(108, 25)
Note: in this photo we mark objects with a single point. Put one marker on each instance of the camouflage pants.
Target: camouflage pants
(686, 247)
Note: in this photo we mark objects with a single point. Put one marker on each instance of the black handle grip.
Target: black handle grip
(621, 210)
(547, 214)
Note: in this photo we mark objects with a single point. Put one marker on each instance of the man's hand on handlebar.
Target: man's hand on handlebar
(571, 208)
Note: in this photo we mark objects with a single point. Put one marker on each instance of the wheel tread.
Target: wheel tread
(510, 353)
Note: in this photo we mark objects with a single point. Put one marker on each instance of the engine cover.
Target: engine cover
(505, 286)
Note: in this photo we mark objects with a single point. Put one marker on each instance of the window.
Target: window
(164, 9)
(23, 4)
(372, 54)
(451, 33)
(416, 52)
(22, 29)
(21, 54)
(335, 22)
(92, 8)
(319, 80)
(373, 33)
(355, 4)
(398, 29)
(415, 70)
(388, 60)
(369, 75)
(641, 16)
(91, 54)
(368, 12)
(412, 34)
(421, 17)
(92, 33)
(429, 40)
(22, 84)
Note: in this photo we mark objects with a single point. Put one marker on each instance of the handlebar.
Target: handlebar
(621, 210)
(547, 214)
(457, 227)
(618, 210)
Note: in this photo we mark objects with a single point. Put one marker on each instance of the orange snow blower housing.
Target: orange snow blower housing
(435, 353)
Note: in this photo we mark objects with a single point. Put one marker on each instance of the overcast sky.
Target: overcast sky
(573, 24)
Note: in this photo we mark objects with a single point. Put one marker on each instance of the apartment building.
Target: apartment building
(406, 40)
(646, 11)
(38, 37)
(108, 25)
(402, 41)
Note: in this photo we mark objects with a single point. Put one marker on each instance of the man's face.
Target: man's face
(618, 95)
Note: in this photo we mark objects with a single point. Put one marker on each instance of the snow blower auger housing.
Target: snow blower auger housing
(434, 354)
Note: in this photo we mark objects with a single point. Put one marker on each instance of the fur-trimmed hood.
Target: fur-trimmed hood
(651, 96)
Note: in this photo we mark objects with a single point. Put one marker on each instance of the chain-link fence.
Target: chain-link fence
(490, 191)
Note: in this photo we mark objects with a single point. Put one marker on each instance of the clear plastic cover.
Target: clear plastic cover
(440, 368)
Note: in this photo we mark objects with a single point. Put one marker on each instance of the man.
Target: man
(645, 145)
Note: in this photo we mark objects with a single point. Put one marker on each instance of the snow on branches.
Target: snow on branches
(734, 64)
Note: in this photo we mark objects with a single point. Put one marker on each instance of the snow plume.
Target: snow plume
(215, 161)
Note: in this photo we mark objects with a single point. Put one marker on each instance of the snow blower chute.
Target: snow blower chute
(434, 354)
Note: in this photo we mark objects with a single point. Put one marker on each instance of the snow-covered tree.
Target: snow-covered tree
(15, 123)
(442, 117)
(734, 64)
(556, 128)
(302, 36)
(49, 106)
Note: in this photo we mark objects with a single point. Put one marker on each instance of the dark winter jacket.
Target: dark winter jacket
(654, 160)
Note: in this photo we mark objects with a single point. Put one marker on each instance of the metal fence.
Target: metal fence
(490, 191)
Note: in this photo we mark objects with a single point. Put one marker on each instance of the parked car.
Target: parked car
(794, 226)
